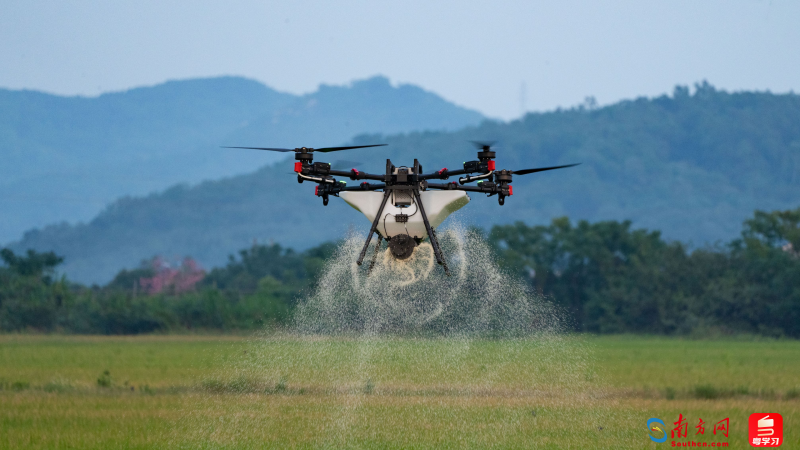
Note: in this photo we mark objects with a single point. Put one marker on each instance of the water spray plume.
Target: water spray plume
(410, 297)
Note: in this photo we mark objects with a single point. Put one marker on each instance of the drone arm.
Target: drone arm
(453, 186)
(485, 187)
(483, 168)
(440, 175)
(357, 175)
(443, 174)
(363, 187)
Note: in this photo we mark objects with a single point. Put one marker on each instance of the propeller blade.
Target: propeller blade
(336, 149)
(323, 150)
(266, 148)
(482, 144)
(541, 169)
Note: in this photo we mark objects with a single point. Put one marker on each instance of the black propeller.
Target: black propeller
(540, 169)
(309, 150)
(483, 145)
(336, 149)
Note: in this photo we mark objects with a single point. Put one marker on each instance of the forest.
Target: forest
(606, 276)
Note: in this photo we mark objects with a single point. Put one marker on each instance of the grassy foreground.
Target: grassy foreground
(285, 391)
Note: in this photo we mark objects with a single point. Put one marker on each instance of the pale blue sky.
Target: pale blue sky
(477, 54)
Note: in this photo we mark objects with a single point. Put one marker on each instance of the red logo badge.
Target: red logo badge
(765, 430)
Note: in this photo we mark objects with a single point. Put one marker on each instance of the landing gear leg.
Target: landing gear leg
(375, 255)
(374, 227)
(443, 261)
(437, 251)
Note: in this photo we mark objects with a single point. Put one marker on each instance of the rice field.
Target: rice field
(283, 391)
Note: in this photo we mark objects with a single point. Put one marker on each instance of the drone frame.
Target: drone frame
(411, 179)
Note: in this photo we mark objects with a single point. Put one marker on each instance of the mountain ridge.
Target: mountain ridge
(65, 158)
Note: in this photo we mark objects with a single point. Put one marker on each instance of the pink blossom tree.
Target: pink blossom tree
(170, 279)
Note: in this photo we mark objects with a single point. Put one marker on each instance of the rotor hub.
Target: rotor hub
(486, 154)
(402, 246)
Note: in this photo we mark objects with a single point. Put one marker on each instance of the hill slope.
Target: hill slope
(693, 166)
(65, 158)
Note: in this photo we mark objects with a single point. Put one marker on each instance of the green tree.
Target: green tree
(766, 291)
(29, 298)
(35, 264)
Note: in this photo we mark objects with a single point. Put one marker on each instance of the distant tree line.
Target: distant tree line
(609, 277)
(259, 287)
(616, 280)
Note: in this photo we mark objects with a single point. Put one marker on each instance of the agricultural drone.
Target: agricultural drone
(411, 205)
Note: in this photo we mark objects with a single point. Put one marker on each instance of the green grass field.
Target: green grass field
(292, 392)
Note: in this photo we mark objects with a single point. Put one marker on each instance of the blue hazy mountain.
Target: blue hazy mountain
(66, 158)
(694, 166)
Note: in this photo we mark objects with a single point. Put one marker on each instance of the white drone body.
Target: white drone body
(437, 204)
